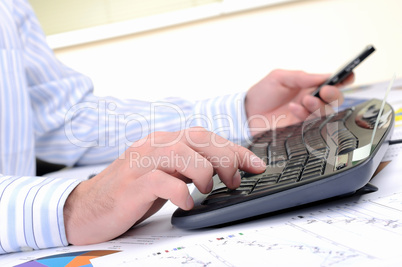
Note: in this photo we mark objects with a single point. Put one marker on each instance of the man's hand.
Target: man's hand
(153, 170)
(284, 97)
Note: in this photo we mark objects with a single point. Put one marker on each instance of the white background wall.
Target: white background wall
(229, 54)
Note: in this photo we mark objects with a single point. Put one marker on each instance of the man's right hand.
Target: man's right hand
(153, 170)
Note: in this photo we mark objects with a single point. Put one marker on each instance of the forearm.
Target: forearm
(225, 116)
(98, 130)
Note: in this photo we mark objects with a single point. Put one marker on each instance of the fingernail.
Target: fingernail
(210, 186)
(236, 180)
(257, 162)
(189, 202)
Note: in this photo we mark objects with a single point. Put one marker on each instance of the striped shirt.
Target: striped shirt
(48, 111)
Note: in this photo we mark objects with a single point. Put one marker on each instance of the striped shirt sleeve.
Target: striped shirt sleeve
(31, 211)
(101, 129)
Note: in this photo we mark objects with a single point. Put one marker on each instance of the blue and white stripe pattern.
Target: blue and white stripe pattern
(48, 111)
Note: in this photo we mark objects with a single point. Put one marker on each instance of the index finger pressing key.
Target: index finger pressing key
(226, 157)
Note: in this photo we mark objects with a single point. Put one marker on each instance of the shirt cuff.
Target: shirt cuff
(32, 212)
(225, 116)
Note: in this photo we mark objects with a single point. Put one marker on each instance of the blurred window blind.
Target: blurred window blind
(58, 16)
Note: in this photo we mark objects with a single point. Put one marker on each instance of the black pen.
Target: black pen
(346, 70)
